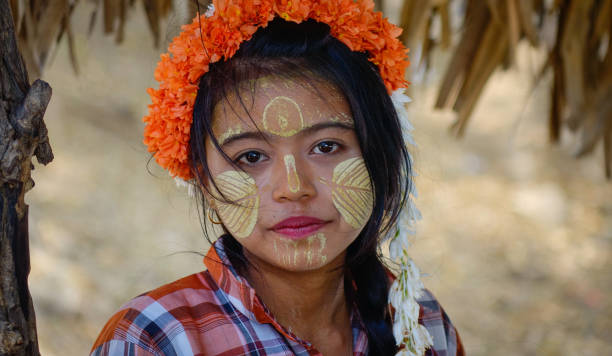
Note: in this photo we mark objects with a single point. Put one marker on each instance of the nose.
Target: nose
(293, 181)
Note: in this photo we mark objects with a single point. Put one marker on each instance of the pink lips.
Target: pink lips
(298, 226)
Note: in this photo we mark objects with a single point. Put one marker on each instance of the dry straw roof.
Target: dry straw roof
(579, 53)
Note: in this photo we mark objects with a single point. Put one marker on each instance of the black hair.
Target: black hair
(287, 48)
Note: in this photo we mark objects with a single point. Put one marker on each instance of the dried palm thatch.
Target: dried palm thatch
(580, 58)
(41, 24)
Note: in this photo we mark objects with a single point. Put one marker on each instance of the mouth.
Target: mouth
(298, 226)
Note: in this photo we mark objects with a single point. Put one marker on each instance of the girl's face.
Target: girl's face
(304, 193)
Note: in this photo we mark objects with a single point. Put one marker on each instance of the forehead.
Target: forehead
(279, 106)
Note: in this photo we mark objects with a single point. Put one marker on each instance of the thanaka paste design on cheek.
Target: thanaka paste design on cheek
(282, 116)
(293, 179)
(352, 191)
(239, 215)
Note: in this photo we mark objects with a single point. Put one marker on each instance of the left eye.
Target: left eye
(326, 147)
(250, 158)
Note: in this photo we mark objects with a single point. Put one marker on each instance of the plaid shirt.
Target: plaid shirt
(216, 312)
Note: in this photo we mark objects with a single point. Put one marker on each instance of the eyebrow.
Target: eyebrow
(263, 136)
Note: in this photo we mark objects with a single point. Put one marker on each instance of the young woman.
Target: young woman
(280, 117)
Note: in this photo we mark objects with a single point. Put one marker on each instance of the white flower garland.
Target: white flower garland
(408, 286)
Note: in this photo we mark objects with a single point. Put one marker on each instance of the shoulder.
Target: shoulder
(446, 340)
(161, 319)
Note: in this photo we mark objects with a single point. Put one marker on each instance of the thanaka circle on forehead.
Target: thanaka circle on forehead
(275, 104)
(282, 116)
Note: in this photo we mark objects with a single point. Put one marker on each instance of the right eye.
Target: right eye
(250, 157)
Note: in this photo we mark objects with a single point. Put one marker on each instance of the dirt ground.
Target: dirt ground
(516, 239)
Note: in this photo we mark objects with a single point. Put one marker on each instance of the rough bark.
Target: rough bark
(23, 134)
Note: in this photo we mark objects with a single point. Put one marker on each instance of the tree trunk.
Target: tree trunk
(22, 135)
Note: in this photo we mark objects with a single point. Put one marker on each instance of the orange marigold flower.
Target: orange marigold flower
(209, 39)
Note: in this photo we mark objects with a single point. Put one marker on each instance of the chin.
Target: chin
(299, 255)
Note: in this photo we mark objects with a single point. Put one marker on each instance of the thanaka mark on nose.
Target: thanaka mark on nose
(293, 179)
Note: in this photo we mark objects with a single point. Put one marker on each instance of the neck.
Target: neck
(308, 303)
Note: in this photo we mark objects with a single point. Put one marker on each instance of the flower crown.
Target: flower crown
(209, 39)
(217, 35)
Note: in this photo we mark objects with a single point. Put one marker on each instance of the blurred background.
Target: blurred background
(516, 236)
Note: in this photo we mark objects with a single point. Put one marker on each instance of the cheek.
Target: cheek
(352, 192)
(239, 215)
